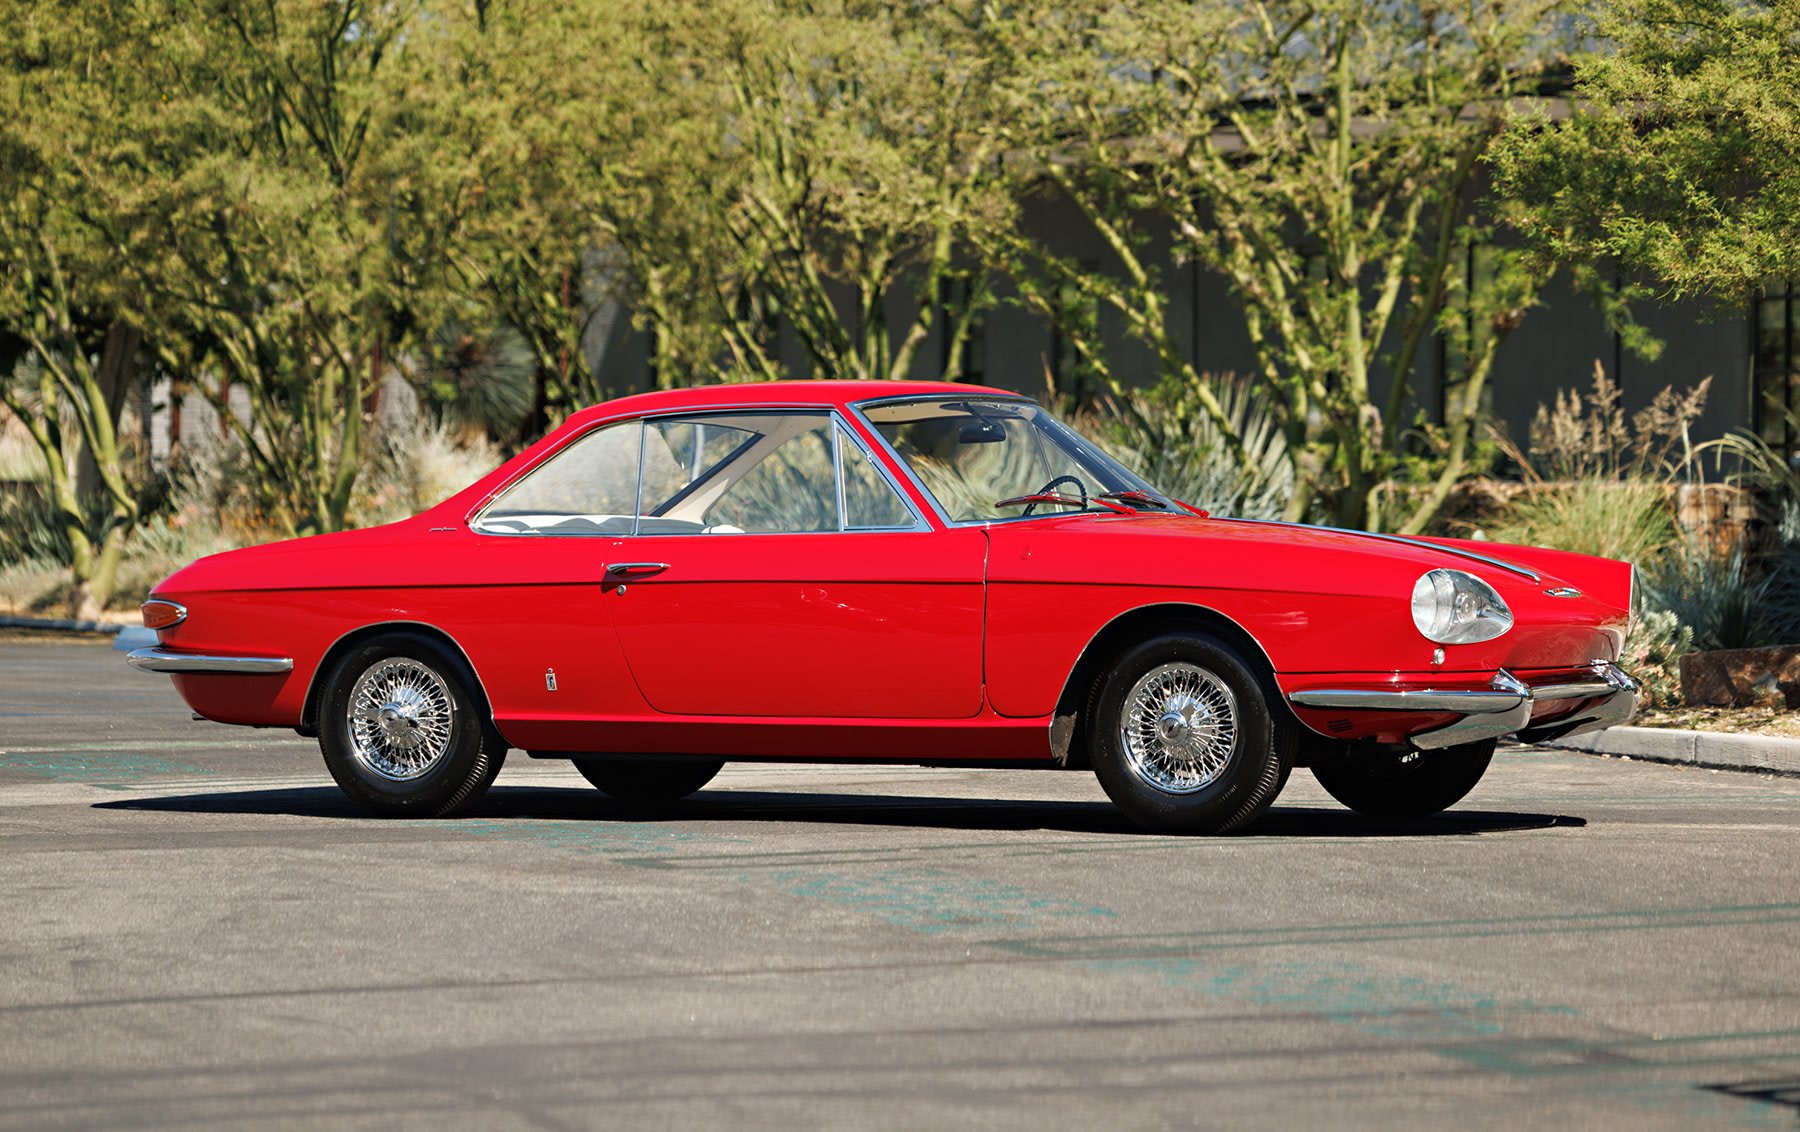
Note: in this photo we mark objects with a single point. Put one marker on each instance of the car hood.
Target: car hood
(1259, 555)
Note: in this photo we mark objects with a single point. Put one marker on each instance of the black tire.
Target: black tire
(1214, 771)
(1386, 785)
(649, 780)
(429, 752)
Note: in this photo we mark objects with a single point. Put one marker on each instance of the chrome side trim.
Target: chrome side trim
(1522, 571)
(162, 660)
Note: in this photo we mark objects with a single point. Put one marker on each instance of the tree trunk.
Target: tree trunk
(118, 368)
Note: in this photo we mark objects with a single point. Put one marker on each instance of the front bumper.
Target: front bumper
(1506, 707)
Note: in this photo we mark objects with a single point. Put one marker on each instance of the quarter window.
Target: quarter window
(870, 501)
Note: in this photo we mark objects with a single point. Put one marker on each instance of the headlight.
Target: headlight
(1454, 608)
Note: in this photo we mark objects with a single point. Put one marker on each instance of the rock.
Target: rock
(1741, 677)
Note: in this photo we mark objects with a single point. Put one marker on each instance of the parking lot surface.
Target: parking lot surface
(199, 930)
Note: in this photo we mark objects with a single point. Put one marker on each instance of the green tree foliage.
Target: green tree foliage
(66, 355)
(1681, 154)
(503, 99)
(1318, 155)
(771, 161)
(301, 218)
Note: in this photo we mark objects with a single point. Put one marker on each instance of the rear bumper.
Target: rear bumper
(156, 659)
(1570, 703)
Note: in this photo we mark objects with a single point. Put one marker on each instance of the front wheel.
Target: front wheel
(1405, 785)
(400, 732)
(649, 780)
(1182, 737)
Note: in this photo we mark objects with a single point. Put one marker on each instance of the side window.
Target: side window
(589, 488)
(765, 473)
(869, 499)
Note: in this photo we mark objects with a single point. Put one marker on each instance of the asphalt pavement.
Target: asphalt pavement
(197, 930)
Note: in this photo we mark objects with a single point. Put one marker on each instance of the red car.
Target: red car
(899, 572)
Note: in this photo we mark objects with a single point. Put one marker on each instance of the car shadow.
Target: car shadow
(540, 803)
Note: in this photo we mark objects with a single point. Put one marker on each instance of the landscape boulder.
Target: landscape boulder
(1742, 677)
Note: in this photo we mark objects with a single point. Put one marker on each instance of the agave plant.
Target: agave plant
(1165, 435)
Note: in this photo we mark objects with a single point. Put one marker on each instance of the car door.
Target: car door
(777, 572)
(539, 629)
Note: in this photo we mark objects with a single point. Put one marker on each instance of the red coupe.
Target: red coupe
(900, 572)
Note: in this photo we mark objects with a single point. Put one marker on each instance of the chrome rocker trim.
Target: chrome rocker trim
(155, 659)
(1504, 710)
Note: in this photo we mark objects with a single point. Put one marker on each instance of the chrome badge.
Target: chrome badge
(1564, 591)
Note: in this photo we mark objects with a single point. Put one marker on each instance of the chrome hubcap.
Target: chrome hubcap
(1179, 729)
(400, 719)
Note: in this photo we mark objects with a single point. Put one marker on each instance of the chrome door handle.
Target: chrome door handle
(636, 569)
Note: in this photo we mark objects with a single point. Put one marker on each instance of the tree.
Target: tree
(767, 162)
(1319, 156)
(264, 179)
(504, 91)
(1681, 156)
(63, 309)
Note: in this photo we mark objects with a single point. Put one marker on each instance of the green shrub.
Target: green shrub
(1727, 603)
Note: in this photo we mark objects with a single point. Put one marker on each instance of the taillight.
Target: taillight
(159, 614)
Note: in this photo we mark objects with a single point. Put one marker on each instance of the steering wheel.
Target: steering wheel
(1051, 486)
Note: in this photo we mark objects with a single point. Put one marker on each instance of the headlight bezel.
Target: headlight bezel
(1455, 607)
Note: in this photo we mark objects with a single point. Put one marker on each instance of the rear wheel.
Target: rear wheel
(401, 733)
(649, 780)
(1182, 737)
(1405, 785)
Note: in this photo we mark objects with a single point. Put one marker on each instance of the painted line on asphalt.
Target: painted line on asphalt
(1547, 1057)
(158, 745)
(1180, 943)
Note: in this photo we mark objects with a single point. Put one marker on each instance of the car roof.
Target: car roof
(825, 394)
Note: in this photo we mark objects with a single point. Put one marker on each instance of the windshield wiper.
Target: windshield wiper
(1145, 497)
(1066, 500)
(1135, 497)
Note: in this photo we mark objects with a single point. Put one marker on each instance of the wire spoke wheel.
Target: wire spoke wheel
(401, 719)
(1179, 728)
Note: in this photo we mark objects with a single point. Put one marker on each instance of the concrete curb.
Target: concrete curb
(60, 625)
(1767, 754)
(125, 637)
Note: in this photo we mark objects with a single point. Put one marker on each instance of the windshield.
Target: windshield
(1005, 459)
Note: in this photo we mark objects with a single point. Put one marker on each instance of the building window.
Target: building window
(969, 363)
(1775, 325)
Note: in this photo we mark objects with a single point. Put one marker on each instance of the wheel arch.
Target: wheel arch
(340, 648)
(1068, 738)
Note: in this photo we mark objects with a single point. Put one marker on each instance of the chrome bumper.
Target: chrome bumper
(155, 659)
(1503, 709)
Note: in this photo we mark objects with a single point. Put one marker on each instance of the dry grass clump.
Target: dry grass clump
(1598, 483)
